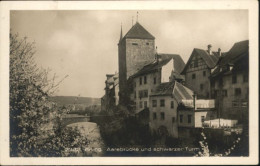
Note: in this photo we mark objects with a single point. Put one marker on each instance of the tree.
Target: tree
(35, 122)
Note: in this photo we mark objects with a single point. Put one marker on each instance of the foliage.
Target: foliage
(35, 128)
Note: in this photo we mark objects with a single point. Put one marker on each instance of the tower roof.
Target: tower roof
(138, 32)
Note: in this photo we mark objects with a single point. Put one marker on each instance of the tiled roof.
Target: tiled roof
(163, 89)
(181, 92)
(210, 59)
(238, 50)
(176, 89)
(138, 32)
(178, 61)
(164, 59)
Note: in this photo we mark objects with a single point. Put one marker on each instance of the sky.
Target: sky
(83, 44)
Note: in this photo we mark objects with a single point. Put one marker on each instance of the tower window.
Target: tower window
(135, 44)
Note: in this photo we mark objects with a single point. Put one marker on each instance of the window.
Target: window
(173, 119)
(135, 84)
(213, 84)
(237, 91)
(140, 104)
(189, 118)
(135, 95)
(145, 93)
(162, 116)
(181, 118)
(201, 86)
(193, 76)
(220, 82)
(224, 93)
(145, 104)
(140, 80)
(147, 43)
(162, 103)
(140, 94)
(191, 65)
(154, 80)
(172, 104)
(202, 119)
(154, 103)
(235, 104)
(135, 44)
(244, 104)
(245, 77)
(234, 79)
(204, 73)
(145, 81)
(154, 116)
(196, 63)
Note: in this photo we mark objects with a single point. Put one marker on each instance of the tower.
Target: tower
(135, 50)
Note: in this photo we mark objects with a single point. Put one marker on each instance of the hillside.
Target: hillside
(74, 100)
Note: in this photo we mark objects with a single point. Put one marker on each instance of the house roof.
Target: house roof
(174, 88)
(210, 59)
(164, 59)
(138, 32)
(163, 89)
(238, 50)
(178, 61)
(181, 92)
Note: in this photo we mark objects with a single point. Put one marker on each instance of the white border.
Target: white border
(252, 6)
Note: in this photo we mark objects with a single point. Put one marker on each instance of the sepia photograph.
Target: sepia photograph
(130, 83)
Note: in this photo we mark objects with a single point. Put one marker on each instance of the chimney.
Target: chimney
(209, 49)
(219, 52)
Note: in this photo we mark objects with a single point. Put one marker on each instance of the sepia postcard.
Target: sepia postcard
(129, 82)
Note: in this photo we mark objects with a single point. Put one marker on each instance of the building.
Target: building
(198, 69)
(193, 113)
(229, 83)
(135, 50)
(164, 105)
(111, 98)
(165, 68)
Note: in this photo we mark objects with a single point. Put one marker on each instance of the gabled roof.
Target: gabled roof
(138, 32)
(181, 92)
(210, 59)
(163, 89)
(238, 50)
(164, 59)
(178, 61)
(174, 88)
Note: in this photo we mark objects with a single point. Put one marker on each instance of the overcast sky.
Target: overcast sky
(83, 44)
